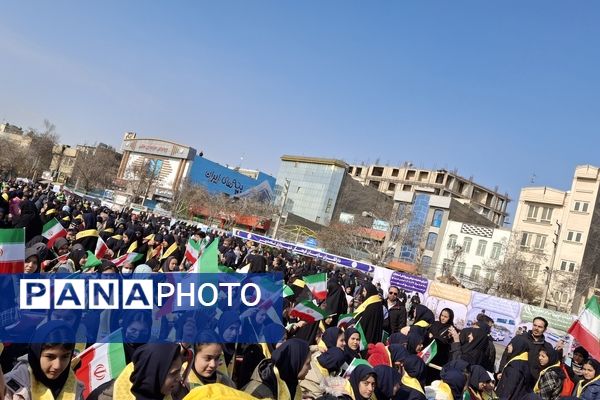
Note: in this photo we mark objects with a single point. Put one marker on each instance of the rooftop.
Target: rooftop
(315, 160)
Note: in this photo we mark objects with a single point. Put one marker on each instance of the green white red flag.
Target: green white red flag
(318, 285)
(12, 251)
(586, 329)
(192, 251)
(308, 311)
(125, 258)
(429, 352)
(344, 320)
(363, 338)
(355, 363)
(101, 248)
(101, 362)
(52, 231)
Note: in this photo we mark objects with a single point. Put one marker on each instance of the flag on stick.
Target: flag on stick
(586, 328)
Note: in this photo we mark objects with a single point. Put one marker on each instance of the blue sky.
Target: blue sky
(499, 90)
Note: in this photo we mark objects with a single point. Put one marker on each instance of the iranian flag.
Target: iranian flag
(101, 363)
(192, 251)
(125, 258)
(318, 285)
(12, 250)
(345, 320)
(363, 338)
(355, 363)
(287, 291)
(53, 230)
(308, 311)
(101, 248)
(429, 352)
(586, 329)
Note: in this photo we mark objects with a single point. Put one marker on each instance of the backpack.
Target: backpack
(568, 384)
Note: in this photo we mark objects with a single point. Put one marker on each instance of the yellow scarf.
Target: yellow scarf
(265, 350)
(422, 324)
(123, 384)
(580, 387)
(444, 388)
(169, 251)
(86, 233)
(283, 392)
(132, 247)
(322, 346)
(521, 357)
(412, 383)
(322, 369)
(536, 388)
(194, 381)
(41, 392)
(371, 300)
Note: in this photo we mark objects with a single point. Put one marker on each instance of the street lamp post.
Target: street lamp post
(550, 267)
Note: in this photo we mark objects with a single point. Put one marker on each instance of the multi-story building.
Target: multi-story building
(14, 134)
(561, 230)
(417, 229)
(310, 186)
(63, 162)
(390, 180)
(469, 253)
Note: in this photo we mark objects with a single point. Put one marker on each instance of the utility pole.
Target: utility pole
(550, 267)
(286, 188)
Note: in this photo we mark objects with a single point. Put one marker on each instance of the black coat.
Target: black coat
(396, 318)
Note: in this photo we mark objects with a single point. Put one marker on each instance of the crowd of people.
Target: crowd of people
(378, 353)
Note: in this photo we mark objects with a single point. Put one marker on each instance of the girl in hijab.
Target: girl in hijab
(550, 383)
(515, 379)
(228, 328)
(412, 379)
(45, 373)
(398, 354)
(481, 386)
(32, 261)
(171, 264)
(204, 368)
(363, 381)
(30, 220)
(589, 387)
(438, 331)
(423, 318)
(336, 300)
(321, 366)
(470, 345)
(332, 337)
(352, 347)
(136, 331)
(452, 383)
(153, 374)
(370, 313)
(78, 256)
(277, 378)
(398, 338)
(415, 342)
(254, 324)
(388, 382)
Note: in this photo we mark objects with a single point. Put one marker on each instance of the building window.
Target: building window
(546, 214)
(329, 204)
(475, 272)
(489, 276)
(532, 212)
(481, 248)
(426, 262)
(525, 240)
(534, 270)
(540, 242)
(574, 236)
(407, 188)
(460, 269)
(431, 239)
(567, 266)
(467, 245)
(374, 184)
(437, 218)
(358, 171)
(392, 186)
(377, 171)
(581, 206)
(451, 241)
(395, 172)
(496, 249)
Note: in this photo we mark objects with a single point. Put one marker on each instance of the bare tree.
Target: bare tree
(514, 275)
(95, 167)
(13, 160)
(142, 177)
(39, 153)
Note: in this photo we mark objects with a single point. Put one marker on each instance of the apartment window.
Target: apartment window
(467, 245)
(407, 188)
(391, 186)
(451, 241)
(374, 184)
(358, 171)
(377, 171)
(561, 297)
(489, 276)
(534, 270)
(481, 248)
(567, 266)
(533, 212)
(546, 214)
(437, 218)
(431, 240)
(525, 240)
(426, 262)
(581, 206)
(395, 172)
(496, 249)
(475, 273)
(540, 242)
(574, 236)
(460, 269)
